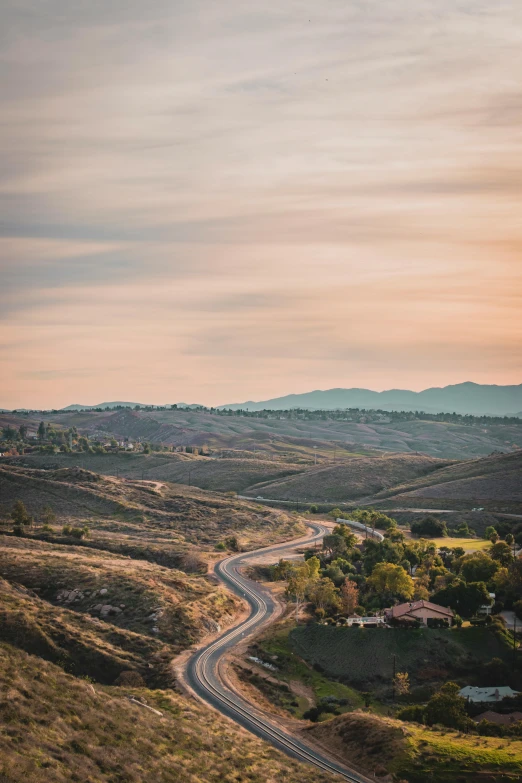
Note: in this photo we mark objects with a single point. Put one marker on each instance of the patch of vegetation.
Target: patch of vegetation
(364, 657)
(416, 754)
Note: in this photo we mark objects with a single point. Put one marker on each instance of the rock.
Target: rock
(103, 591)
(122, 606)
(155, 629)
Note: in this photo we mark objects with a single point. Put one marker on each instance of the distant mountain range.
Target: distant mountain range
(472, 398)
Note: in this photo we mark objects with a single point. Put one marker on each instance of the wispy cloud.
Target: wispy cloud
(261, 196)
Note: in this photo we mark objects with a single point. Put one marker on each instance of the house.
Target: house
(479, 695)
(419, 610)
(498, 718)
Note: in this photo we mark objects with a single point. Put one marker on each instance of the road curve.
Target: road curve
(203, 673)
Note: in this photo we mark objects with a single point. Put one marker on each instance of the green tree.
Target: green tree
(9, 433)
(429, 526)
(502, 553)
(19, 514)
(22, 429)
(490, 532)
(48, 515)
(323, 593)
(447, 708)
(391, 579)
(478, 567)
(41, 431)
(466, 599)
(297, 585)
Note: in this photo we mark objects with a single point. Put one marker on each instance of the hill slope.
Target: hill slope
(357, 478)
(415, 753)
(59, 728)
(494, 481)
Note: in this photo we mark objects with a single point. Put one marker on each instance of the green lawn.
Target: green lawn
(468, 544)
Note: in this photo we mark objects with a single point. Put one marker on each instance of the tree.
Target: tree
(466, 599)
(429, 526)
(41, 431)
(391, 579)
(448, 708)
(22, 430)
(48, 516)
(501, 552)
(401, 683)
(297, 585)
(9, 433)
(349, 597)
(490, 533)
(323, 593)
(19, 514)
(334, 545)
(478, 567)
(314, 565)
(344, 531)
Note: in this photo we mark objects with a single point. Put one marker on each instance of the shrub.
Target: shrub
(415, 713)
(314, 509)
(130, 679)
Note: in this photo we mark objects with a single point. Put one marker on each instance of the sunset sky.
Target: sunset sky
(211, 202)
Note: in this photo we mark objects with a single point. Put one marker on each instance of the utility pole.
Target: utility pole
(394, 673)
(514, 641)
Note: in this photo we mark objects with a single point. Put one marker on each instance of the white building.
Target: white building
(479, 695)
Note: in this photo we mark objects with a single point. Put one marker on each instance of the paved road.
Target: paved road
(203, 670)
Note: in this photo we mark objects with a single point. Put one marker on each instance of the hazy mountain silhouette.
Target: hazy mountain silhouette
(473, 398)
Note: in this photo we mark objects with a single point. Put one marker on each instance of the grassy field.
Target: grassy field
(468, 544)
(57, 727)
(417, 754)
(363, 657)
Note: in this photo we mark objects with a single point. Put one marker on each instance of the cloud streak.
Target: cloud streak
(215, 202)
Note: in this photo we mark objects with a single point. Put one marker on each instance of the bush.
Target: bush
(130, 679)
(414, 713)
(314, 509)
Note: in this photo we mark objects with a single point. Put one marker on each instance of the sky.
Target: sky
(214, 202)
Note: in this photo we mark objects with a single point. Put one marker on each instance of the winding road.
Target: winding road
(204, 672)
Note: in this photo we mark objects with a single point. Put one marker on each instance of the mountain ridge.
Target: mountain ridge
(467, 397)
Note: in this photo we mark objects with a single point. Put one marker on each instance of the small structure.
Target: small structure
(486, 608)
(496, 717)
(419, 610)
(487, 695)
(364, 620)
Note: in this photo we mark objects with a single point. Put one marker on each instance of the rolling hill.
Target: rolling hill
(354, 479)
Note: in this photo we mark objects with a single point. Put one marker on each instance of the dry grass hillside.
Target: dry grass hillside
(357, 478)
(155, 520)
(491, 481)
(415, 753)
(59, 728)
(231, 474)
